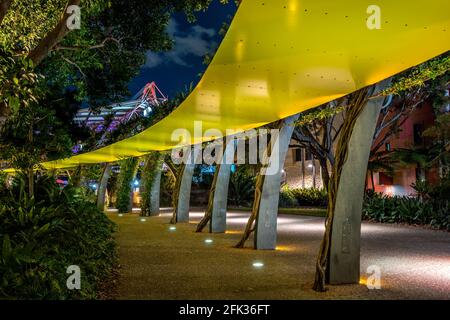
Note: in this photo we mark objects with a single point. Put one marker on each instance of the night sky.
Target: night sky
(172, 71)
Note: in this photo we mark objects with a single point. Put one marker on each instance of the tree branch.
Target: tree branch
(53, 37)
(75, 65)
(97, 46)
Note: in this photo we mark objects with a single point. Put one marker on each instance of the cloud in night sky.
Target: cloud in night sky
(194, 41)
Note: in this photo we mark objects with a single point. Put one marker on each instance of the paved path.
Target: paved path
(159, 263)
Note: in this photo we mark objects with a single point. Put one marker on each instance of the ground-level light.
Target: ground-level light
(258, 264)
(208, 241)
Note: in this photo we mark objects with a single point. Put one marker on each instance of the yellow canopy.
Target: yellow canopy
(281, 57)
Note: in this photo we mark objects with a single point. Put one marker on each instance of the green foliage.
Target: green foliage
(439, 191)
(406, 157)
(241, 187)
(167, 187)
(37, 127)
(18, 81)
(417, 76)
(33, 135)
(108, 50)
(382, 208)
(440, 135)
(29, 21)
(128, 169)
(287, 198)
(3, 177)
(307, 197)
(40, 238)
(319, 114)
(441, 128)
(92, 172)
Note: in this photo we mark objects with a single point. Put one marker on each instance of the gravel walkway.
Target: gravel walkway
(159, 263)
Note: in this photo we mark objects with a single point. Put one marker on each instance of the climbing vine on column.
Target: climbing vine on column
(128, 169)
(208, 213)
(357, 104)
(176, 191)
(251, 225)
(152, 167)
(255, 211)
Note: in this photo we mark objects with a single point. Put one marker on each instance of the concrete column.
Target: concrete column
(266, 224)
(155, 192)
(102, 186)
(218, 221)
(185, 190)
(344, 260)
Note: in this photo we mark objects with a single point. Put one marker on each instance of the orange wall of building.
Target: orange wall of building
(404, 177)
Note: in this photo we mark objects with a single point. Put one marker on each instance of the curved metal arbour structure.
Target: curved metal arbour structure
(282, 57)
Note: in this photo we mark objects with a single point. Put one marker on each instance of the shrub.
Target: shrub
(241, 188)
(40, 238)
(287, 198)
(382, 208)
(311, 197)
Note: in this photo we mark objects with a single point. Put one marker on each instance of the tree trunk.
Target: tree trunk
(4, 7)
(263, 238)
(208, 213)
(102, 188)
(325, 173)
(255, 210)
(53, 37)
(341, 236)
(171, 167)
(341, 155)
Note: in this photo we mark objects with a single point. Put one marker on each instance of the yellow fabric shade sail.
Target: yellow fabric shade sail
(279, 58)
